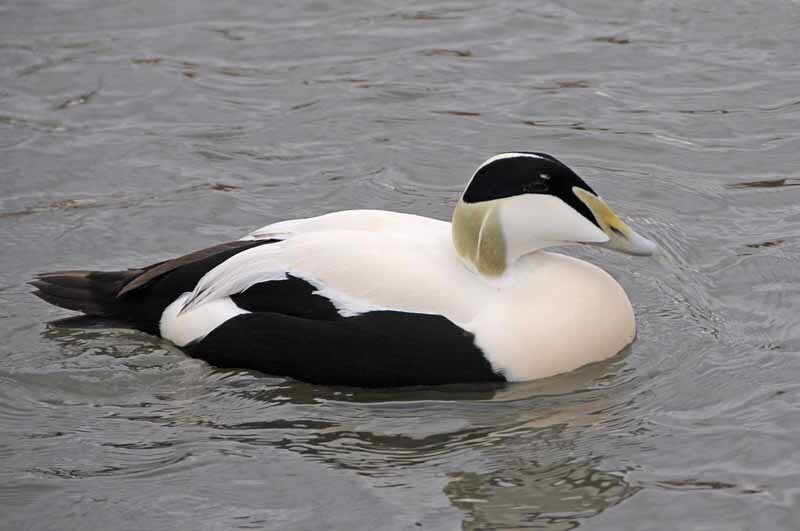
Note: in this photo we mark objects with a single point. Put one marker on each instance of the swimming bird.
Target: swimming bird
(374, 298)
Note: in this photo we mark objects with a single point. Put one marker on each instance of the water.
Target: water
(131, 132)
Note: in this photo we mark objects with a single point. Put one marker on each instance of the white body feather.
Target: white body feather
(547, 314)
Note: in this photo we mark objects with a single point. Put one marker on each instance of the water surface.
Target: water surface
(131, 132)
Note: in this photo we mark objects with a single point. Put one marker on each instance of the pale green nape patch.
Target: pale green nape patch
(478, 236)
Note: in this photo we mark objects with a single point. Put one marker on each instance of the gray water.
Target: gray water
(133, 131)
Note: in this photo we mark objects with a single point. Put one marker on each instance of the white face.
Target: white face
(536, 221)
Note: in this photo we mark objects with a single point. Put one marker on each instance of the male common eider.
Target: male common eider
(375, 299)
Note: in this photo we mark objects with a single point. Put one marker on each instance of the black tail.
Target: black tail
(91, 292)
(136, 297)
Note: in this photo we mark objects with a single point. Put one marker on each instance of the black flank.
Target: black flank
(375, 349)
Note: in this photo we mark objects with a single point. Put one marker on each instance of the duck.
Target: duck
(371, 298)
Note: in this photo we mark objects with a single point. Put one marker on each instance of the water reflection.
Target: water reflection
(767, 183)
(532, 496)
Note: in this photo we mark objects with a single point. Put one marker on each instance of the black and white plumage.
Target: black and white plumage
(377, 299)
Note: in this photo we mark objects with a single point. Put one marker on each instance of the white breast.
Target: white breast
(561, 314)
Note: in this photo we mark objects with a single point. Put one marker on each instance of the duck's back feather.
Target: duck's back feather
(375, 221)
(360, 271)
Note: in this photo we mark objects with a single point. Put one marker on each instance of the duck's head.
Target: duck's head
(518, 203)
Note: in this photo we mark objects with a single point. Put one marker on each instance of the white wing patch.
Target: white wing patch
(346, 305)
(263, 264)
(257, 265)
(236, 274)
(184, 327)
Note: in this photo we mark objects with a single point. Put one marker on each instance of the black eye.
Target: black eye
(616, 231)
